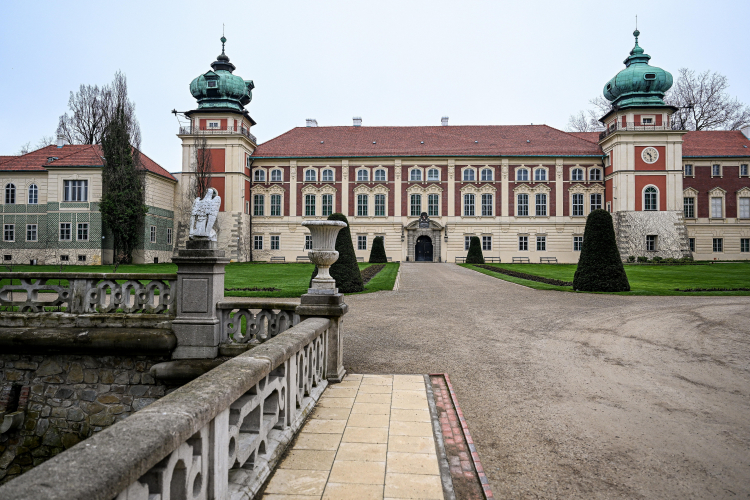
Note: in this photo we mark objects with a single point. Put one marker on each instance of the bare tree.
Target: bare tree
(202, 176)
(588, 121)
(580, 123)
(25, 149)
(43, 142)
(705, 104)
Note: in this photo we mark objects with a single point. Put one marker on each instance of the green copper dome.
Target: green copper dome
(638, 85)
(220, 88)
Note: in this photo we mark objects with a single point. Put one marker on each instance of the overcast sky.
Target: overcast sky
(391, 62)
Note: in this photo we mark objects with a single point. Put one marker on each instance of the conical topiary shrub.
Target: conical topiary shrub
(600, 267)
(475, 252)
(377, 252)
(345, 270)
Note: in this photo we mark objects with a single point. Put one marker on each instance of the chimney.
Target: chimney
(444, 121)
(746, 131)
(311, 122)
(60, 141)
(357, 121)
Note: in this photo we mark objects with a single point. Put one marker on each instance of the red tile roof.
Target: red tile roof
(462, 140)
(3, 159)
(77, 155)
(587, 136)
(715, 143)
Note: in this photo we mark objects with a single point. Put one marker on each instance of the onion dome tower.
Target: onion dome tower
(219, 88)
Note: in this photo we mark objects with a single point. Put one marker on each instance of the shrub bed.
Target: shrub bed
(530, 277)
(712, 290)
(369, 273)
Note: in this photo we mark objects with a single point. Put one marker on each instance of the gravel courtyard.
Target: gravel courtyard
(574, 395)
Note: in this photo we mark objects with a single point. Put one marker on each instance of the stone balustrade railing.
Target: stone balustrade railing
(217, 437)
(255, 322)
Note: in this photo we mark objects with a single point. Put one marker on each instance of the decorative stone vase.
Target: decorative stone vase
(323, 253)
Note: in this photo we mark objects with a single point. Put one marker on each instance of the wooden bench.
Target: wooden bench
(521, 260)
(303, 258)
(492, 259)
(278, 258)
(460, 260)
(360, 259)
(548, 260)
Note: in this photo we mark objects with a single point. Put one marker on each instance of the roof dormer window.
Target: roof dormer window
(212, 84)
(649, 76)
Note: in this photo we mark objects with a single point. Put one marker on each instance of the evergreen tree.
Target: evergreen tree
(377, 252)
(600, 267)
(475, 255)
(345, 270)
(122, 205)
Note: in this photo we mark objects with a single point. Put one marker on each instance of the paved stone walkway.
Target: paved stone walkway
(369, 437)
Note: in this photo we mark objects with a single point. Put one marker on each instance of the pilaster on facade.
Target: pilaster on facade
(397, 189)
(292, 188)
(344, 186)
(559, 186)
(451, 187)
(505, 189)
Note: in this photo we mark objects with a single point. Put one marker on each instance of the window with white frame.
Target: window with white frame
(469, 175)
(309, 204)
(487, 174)
(522, 205)
(576, 174)
(744, 170)
(379, 205)
(260, 176)
(577, 243)
(650, 199)
(247, 207)
(169, 236)
(311, 175)
(33, 195)
(467, 242)
(327, 175)
(361, 242)
(363, 175)
(522, 174)
(540, 174)
(744, 245)
(415, 205)
(274, 242)
(152, 237)
(308, 242)
(688, 207)
(327, 200)
(486, 242)
(275, 205)
(718, 245)
(744, 208)
(65, 232)
(468, 205)
(380, 175)
(523, 243)
(651, 242)
(541, 243)
(433, 205)
(362, 205)
(32, 232)
(258, 242)
(259, 202)
(9, 232)
(10, 194)
(577, 204)
(75, 190)
(433, 174)
(212, 124)
(541, 204)
(716, 207)
(595, 174)
(716, 170)
(83, 232)
(277, 175)
(415, 175)
(691, 242)
(486, 205)
(596, 201)
(688, 170)
(248, 161)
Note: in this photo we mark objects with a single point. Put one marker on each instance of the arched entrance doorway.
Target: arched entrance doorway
(423, 249)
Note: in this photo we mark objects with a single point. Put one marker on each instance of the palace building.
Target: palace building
(524, 190)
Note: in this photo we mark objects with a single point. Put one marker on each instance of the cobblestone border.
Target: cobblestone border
(445, 472)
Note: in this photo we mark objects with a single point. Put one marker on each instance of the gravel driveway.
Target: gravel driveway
(574, 395)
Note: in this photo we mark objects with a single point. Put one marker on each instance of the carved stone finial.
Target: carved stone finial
(203, 216)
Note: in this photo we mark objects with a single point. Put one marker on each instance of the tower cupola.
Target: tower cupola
(219, 88)
(639, 84)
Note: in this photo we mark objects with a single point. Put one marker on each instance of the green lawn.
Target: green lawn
(644, 280)
(292, 279)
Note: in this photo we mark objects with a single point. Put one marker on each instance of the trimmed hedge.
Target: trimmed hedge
(475, 255)
(345, 270)
(600, 267)
(377, 252)
(526, 276)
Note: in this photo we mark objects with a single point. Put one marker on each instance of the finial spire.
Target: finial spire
(223, 41)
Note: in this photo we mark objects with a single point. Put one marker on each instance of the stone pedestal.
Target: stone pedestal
(200, 285)
(330, 306)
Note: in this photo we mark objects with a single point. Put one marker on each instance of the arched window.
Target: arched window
(415, 176)
(10, 194)
(540, 174)
(328, 175)
(276, 175)
(522, 174)
(311, 175)
(33, 195)
(468, 175)
(363, 175)
(487, 174)
(433, 174)
(260, 176)
(650, 195)
(380, 175)
(595, 174)
(576, 174)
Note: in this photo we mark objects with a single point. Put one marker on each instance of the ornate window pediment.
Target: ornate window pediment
(272, 189)
(363, 189)
(430, 188)
(483, 189)
(525, 188)
(745, 191)
(717, 191)
(690, 192)
(327, 189)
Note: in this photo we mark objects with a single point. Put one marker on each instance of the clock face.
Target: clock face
(650, 155)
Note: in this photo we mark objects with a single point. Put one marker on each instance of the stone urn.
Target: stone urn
(323, 253)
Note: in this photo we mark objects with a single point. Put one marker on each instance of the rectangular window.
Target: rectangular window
(744, 245)
(744, 208)
(688, 170)
(651, 243)
(433, 201)
(486, 242)
(259, 202)
(541, 243)
(596, 201)
(467, 242)
(523, 243)
(718, 244)
(308, 242)
(327, 200)
(258, 242)
(83, 232)
(692, 244)
(716, 212)
(81, 258)
(688, 207)
(647, 121)
(577, 243)
(274, 242)
(468, 205)
(415, 204)
(486, 205)
(577, 204)
(361, 242)
(169, 236)
(743, 170)
(275, 205)
(75, 190)
(65, 231)
(380, 205)
(31, 232)
(309, 204)
(9, 232)
(247, 207)
(362, 205)
(716, 170)
(541, 204)
(522, 207)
